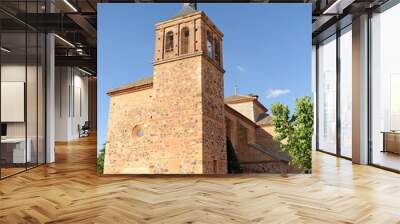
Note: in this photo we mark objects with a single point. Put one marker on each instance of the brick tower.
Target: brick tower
(172, 122)
(188, 98)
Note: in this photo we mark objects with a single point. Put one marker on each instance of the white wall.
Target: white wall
(33, 126)
(71, 102)
(14, 73)
(17, 73)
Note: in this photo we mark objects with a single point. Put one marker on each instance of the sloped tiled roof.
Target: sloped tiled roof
(244, 98)
(187, 9)
(239, 115)
(238, 98)
(133, 85)
(264, 119)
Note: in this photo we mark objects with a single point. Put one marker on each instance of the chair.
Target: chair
(84, 130)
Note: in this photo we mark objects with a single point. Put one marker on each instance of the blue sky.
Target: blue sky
(266, 48)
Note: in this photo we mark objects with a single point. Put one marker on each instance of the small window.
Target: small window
(209, 45)
(184, 40)
(169, 41)
(217, 51)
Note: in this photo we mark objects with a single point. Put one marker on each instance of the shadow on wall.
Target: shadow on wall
(279, 160)
(263, 155)
(233, 162)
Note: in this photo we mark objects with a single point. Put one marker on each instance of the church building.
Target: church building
(177, 121)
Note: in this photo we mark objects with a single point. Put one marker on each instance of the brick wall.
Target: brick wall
(241, 135)
(181, 117)
(265, 137)
(214, 136)
(178, 115)
(125, 151)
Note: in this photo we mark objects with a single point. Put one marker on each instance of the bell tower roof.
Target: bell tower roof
(187, 8)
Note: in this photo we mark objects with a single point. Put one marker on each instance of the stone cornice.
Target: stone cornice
(130, 89)
(250, 99)
(190, 55)
(186, 18)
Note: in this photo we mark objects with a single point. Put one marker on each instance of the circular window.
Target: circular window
(137, 131)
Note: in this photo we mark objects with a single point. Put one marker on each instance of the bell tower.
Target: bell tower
(188, 98)
(189, 32)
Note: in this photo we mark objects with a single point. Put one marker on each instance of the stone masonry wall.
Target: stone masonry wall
(265, 137)
(241, 134)
(214, 136)
(269, 167)
(251, 159)
(125, 151)
(177, 121)
(181, 119)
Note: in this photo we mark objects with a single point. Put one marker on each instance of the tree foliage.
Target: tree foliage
(294, 133)
(100, 160)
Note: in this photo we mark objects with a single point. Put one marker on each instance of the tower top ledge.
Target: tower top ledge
(188, 17)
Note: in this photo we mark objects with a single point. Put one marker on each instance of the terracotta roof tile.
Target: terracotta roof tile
(246, 98)
(236, 98)
(264, 119)
(142, 82)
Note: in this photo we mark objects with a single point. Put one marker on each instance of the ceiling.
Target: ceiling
(75, 23)
(331, 15)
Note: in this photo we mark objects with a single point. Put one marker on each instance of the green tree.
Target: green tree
(294, 133)
(100, 160)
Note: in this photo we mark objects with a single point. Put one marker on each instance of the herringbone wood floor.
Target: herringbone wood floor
(69, 191)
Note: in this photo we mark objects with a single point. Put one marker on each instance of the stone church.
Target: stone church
(177, 121)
